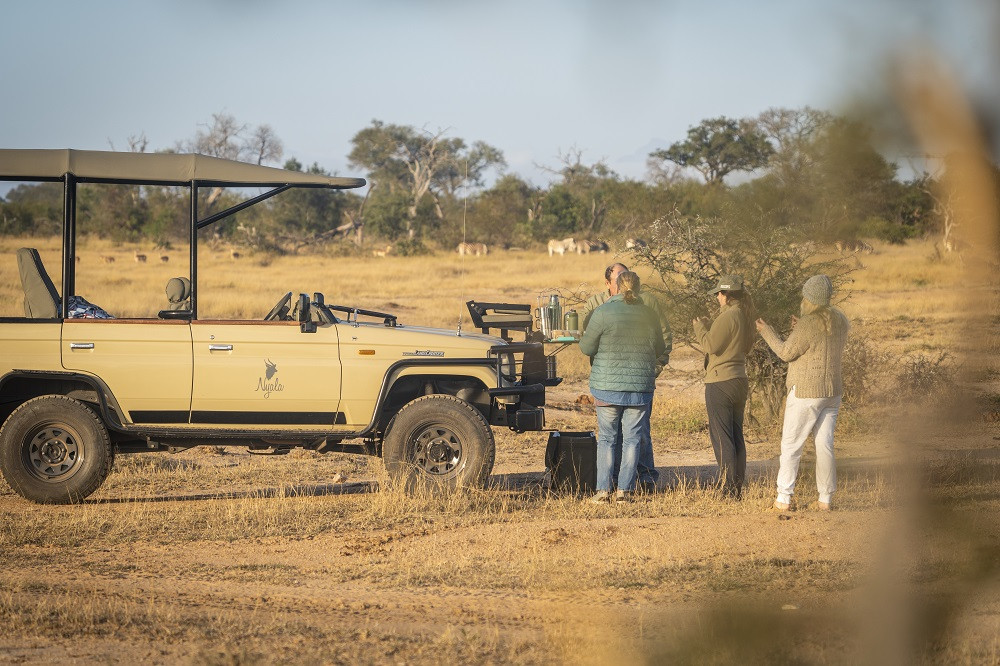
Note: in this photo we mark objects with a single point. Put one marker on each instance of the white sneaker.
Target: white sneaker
(600, 497)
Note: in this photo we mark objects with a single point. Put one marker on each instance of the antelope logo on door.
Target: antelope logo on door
(265, 384)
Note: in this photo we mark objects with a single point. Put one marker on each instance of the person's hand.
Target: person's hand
(795, 320)
(760, 324)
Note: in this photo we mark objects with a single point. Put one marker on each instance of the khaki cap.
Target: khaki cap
(728, 283)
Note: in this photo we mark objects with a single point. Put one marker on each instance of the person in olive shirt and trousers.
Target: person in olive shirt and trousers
(624, 340)
(648, 476)
(726, 343)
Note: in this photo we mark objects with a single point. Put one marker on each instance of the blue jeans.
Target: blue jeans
(646, 469)
(620, 432)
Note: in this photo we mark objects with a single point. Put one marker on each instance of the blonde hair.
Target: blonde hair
(824, 312)
(629, 286)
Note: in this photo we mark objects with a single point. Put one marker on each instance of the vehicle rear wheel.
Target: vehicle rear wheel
(54, 450)
(438, 443)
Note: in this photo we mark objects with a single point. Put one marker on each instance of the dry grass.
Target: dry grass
(221, 558)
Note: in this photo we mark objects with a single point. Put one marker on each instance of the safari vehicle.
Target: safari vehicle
(74, 392)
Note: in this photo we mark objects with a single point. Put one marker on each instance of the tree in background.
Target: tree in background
(814, 173)
(826, 177)
(503, 214)
(308, 217)
(792, 133)
(32, 208)
(421, 164)
(230, 139)
(719, 146)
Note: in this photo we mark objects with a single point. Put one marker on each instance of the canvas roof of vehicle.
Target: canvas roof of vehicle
(155, 168)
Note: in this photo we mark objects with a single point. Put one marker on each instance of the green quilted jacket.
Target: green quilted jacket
(624, 341)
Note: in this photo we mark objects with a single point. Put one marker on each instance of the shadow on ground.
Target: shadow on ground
(698, 476)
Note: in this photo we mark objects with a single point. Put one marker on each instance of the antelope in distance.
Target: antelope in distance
(635, 244)
(382, 253)
(139, 257)
(107, 258)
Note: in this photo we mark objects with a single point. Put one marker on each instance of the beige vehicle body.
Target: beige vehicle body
(74, 392)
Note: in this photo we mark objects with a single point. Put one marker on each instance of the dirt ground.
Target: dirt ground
(223, 558)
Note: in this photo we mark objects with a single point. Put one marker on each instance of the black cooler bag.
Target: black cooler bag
(571, 459)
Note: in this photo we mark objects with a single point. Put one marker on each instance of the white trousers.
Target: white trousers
(804, 417)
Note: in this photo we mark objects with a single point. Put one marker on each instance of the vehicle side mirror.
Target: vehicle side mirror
(306, 324)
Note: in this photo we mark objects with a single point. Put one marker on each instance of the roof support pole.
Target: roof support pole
(69, 243)
(194, 249)
(242, 205)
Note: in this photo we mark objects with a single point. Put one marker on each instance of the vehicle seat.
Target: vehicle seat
(41, 300)
(179, 293)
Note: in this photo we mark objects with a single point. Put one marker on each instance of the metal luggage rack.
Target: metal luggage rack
(534, 366)
(509, 317)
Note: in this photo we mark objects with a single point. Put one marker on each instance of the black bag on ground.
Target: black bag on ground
(571, 460)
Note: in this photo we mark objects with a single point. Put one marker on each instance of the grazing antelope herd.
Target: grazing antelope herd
(142, 258)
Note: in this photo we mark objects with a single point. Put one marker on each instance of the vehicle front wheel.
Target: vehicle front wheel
(438, 442)
(54, 450)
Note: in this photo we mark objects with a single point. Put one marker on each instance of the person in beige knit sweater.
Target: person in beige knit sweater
(813, 352)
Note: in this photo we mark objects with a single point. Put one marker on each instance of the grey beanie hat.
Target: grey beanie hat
(818, 289)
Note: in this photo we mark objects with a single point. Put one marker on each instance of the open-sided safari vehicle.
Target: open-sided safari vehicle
(75, 391)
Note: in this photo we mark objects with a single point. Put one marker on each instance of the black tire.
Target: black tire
(54, 450)
(438, 443)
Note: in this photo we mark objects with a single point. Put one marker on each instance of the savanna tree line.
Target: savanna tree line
(816, 175)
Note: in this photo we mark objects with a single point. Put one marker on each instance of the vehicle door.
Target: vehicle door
(146, 363)
(266, 375)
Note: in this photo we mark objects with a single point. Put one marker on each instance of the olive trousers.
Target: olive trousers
(726, 402)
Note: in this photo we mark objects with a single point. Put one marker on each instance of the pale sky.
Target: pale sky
(611, 79)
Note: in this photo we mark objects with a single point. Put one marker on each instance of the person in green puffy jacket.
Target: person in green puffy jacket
(624, 340)
(648, 476)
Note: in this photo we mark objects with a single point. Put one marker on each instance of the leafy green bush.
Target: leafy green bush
(410, 247)
(876, 227)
